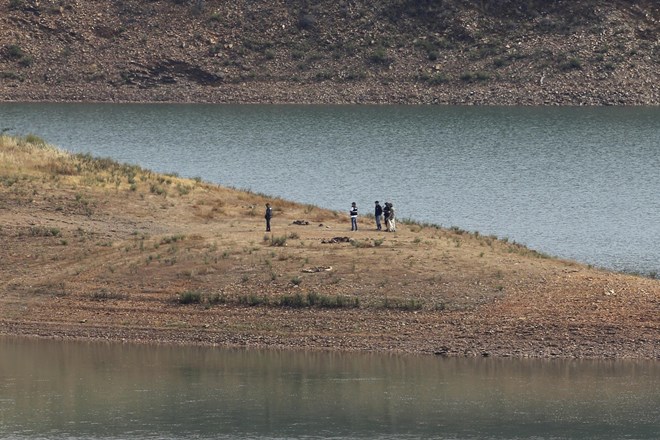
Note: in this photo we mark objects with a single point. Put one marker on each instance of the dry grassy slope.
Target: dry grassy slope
(452, 51)
(94, 249)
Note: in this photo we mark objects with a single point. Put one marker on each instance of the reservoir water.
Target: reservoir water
(65, 390)
(578, 183)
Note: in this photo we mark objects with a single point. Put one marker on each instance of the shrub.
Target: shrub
(172, 239)
(252, 300)
(379, 56)
(331, 301)
(155, 189)
(278, 241)
(335, 302)
(297, 54)
(402, 304)
(103, 295)
(307, 21)
(475, 76)
(14, 51)
(26, 61)
(571, 64)
(190, 297)
(216, 298)
(355, 75)
(500, 62)
(42, 231)
(297, 300)
(34, 140)
(11, 75)
(360, 244)
(438, 78)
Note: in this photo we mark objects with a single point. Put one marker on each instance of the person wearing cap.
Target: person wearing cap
(378, 212)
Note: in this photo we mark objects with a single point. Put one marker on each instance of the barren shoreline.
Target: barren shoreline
(329, 93)
(95, 250)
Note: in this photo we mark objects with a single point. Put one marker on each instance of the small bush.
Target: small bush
(278, 241)
(355, 75)
(104, 295)
(500, 62)
(172, 239)
(402, 304)
(216, 298)
(360, 244)
(334, 302)
(190, 297)
(15, 51)
(11, 75)
(571, 64)
(155, 189)
(42, 231)
(475, 76)
(34, 140)
(252, 300)
(26, 61)
(307, 21)
(437, 78)
(297, 300)
(379, 56)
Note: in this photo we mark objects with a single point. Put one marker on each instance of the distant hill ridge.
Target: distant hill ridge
(509, 52)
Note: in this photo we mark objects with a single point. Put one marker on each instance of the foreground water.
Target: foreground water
(579, 183)
(65, 390)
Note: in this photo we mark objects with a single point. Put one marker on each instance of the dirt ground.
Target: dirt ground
(96, 250)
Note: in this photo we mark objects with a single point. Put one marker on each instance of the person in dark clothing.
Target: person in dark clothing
(354, 215)
(386, 215)
(268, 216)
(391, 219)
(378, 213)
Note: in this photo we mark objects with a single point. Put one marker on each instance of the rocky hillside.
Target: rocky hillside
(566, 52)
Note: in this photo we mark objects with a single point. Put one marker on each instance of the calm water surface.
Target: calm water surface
(580, 183)
(58, 390)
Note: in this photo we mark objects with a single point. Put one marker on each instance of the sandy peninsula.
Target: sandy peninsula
(97, 250)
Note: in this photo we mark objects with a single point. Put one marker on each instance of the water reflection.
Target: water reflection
(89, 390)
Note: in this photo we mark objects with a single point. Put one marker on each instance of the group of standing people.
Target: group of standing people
(387, 215)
